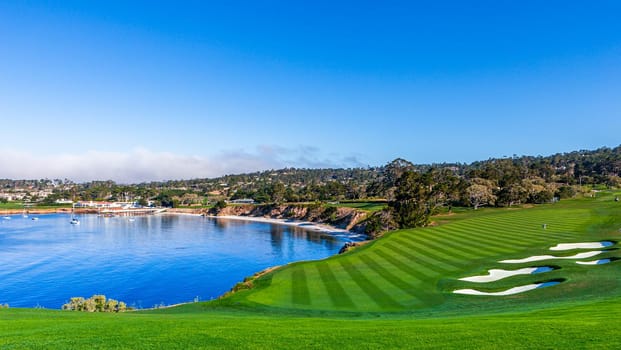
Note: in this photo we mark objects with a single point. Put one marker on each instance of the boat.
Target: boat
(6, 217)
(35, 218)
(74, 220)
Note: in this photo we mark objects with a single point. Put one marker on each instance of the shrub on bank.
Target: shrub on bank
(96, 303)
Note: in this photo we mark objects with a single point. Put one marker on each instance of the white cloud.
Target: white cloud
(140, 164)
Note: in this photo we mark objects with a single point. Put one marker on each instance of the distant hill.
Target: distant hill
(496, 181)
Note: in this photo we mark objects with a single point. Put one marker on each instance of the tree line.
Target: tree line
(503, 181)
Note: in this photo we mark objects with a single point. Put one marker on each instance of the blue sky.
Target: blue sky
(136, 91)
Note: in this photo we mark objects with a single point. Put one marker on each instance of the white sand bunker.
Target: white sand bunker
(589, 245)
(549, 257)
(594, 262)
(498, 274)
(511, 291)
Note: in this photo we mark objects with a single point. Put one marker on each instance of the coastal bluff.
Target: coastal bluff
(344, 218)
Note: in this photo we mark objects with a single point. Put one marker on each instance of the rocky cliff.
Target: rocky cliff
(344, 218)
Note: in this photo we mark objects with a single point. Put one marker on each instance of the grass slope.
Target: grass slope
(394, 292)
(418, 269)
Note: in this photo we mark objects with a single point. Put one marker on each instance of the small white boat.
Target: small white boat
(73, 221)
(6, 217)
(35, 219)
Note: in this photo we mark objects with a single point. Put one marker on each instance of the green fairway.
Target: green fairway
(578, 325)
(366, 206)
(416, 269)
(394, 292)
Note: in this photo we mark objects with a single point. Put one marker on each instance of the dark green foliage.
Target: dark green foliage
(541, 197)
(221, 204)
(411, 207)
(565, 192)
(417, 196)
(328, 214)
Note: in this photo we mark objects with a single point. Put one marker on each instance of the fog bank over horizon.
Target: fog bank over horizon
(143, 165)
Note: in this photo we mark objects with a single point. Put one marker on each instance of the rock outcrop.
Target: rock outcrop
(344, 218)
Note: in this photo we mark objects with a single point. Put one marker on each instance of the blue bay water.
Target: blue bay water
(152, 260)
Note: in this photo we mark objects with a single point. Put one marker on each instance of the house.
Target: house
(242, 201)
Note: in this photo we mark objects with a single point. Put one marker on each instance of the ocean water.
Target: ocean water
(145, 261)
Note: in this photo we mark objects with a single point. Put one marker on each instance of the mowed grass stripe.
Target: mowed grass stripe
(561, 230)
(491, 238)
(402, 266)
(418, 259)
(448, 255)
(381, 298)
(497, 231)
(489, 242)
(442, 240)
(388, 275)
(574, 219)
(536, 223)
(337, 294)
(299, 287)
(509, 230)
(475, 248)
(538, 234)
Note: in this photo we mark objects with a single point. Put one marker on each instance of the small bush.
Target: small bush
(96, 303)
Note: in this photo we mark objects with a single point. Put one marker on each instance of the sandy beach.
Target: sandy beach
(307, 225)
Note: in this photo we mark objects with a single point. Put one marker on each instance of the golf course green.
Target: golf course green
(394, 292)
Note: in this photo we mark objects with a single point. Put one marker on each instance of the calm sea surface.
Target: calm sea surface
(152, 260)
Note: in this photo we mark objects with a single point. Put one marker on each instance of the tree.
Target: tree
(411, 205)
(221, 204)
(565, 192)
(277, 192)
(480, 193)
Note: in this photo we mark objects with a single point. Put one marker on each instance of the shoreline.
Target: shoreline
(34, 211)
(306, 225)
